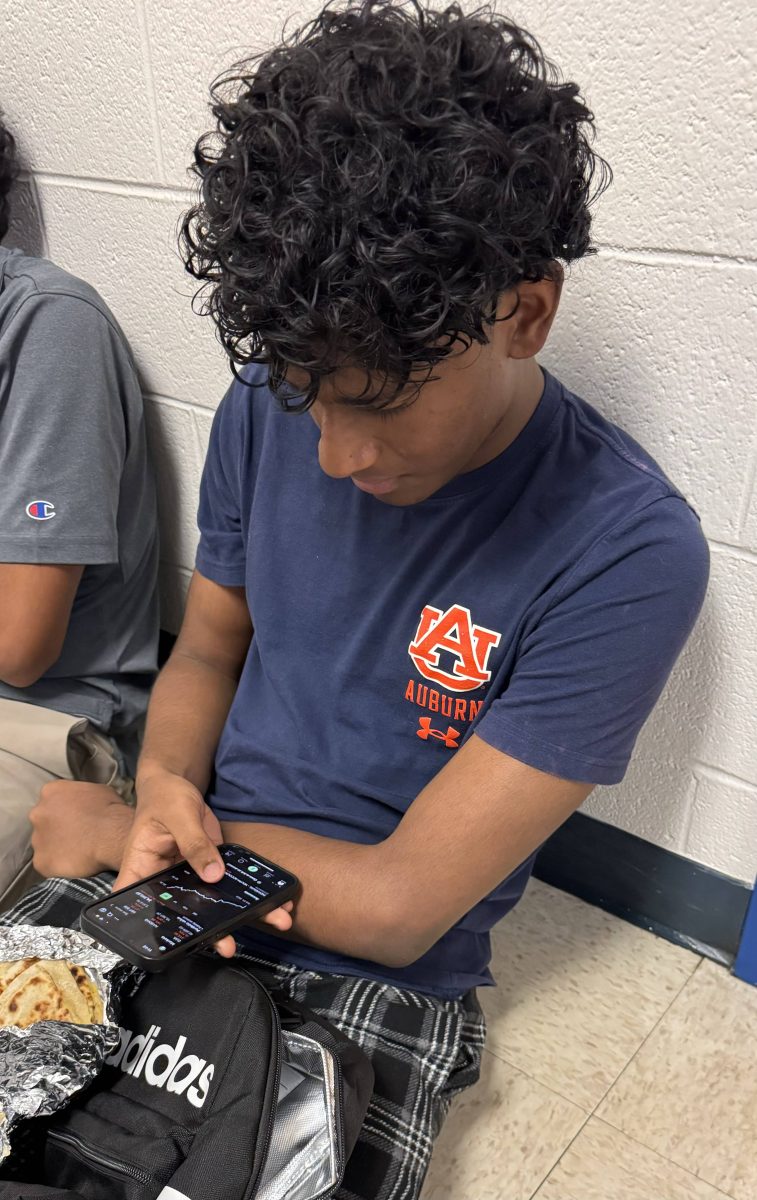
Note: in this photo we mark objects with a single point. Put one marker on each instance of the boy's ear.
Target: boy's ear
(527, 330)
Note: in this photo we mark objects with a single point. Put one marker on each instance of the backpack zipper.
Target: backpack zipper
(275, 1091)
(113, 1166)
(339, 1103)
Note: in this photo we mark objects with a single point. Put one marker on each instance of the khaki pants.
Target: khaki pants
(36, 746)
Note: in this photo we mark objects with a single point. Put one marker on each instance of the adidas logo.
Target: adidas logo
(163, 1066)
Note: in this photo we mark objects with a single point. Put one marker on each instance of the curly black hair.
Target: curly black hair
(8, 173)
(376, 182)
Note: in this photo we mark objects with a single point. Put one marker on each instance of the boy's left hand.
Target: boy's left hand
(79, 829)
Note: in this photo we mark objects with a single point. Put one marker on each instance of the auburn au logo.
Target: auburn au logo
(455, 632)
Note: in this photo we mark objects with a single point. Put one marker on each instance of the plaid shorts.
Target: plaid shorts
(423, 1050)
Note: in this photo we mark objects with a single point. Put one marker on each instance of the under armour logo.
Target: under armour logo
(450, 738)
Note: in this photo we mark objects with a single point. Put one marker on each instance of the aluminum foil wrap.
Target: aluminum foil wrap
(43, 1066)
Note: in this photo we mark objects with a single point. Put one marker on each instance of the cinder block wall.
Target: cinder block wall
(658, 331)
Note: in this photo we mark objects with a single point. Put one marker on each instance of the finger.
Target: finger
(199, 851)
(212, 826)
(129, 874)
(137, 864)
(226, 946)
(280, 918)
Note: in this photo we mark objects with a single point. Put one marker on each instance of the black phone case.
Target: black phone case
(132, 954)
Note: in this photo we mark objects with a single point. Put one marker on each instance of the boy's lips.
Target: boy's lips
(376, 487)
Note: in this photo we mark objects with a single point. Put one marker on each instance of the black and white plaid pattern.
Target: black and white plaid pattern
(424, 1050)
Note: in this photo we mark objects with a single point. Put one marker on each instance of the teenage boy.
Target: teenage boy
(78, 542)
(432, 611)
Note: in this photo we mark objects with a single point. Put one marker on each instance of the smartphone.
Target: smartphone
(162, 918)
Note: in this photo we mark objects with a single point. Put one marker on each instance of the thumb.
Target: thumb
(200, 852)
(138, 862)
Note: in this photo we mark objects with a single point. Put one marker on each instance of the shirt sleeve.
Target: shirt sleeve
(221, 552)
(63, 370)
(590, 672)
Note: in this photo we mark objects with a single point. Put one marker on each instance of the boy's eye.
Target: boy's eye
(384, 414)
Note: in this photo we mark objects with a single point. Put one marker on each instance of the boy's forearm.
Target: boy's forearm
(350, 903)
(188, 708)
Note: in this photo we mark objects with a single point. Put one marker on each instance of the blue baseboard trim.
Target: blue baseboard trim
(746, 959)
(678, 899)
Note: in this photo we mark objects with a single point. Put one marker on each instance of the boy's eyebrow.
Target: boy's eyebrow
(363, 399)
(393, 399)
(399, 394)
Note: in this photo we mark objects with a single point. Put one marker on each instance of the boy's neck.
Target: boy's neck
(525, 399)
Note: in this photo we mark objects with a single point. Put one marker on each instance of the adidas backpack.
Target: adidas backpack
(214, 1093)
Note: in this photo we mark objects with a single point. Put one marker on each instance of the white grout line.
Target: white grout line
(720, 776)
(688, 819)
(192, 406)
(683, 258)
(750, 488)
(735, 551)
(144, 37)
(638, 254)
(114, 187)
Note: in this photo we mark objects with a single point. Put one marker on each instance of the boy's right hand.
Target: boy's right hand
(173, 822)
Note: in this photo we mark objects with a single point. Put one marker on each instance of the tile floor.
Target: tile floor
(618, 1067)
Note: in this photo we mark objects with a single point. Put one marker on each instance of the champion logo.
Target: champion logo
(40, 510)
(163, 1066)
(424, 730)
(453, 633)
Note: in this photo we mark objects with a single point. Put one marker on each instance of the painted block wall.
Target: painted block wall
(659, 331)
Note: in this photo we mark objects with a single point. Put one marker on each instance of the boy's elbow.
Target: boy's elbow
(399, 956)
(397, 941)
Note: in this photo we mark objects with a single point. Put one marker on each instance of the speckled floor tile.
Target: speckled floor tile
(578, 991)
(691, 1092)
(501, 1138)
(603, 1164)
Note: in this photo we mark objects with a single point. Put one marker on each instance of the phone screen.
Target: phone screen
(163, 912)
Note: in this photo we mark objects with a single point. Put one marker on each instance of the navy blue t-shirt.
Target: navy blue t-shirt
(540, 600)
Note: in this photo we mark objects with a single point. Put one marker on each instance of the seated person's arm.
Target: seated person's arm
(469, 828)
(62, 437)
(35, 606)
(473, 824)
(193, 694)
(81, 828)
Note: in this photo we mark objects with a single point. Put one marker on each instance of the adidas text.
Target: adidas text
(163, 1065)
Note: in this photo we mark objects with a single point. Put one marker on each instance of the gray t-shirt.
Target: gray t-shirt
(75, 487)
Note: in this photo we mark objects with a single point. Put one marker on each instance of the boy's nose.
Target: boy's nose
(344, 449)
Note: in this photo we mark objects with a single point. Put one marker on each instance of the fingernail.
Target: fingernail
(212, 872)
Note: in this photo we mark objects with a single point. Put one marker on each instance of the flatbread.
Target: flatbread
(89, 992)
(74, 1000)
(9, 971)
(33, 996)
(47, 990)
